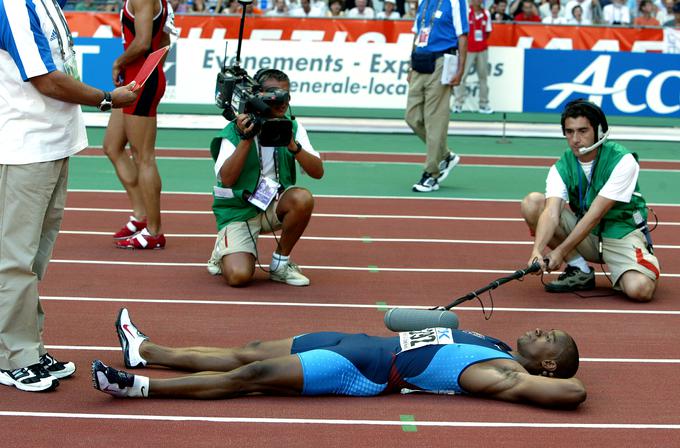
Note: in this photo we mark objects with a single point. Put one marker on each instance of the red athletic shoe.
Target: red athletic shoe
(133, 226)
(142, 240)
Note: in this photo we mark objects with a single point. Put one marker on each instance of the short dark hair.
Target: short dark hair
(567, 360)
(584, 108)
(270, 73)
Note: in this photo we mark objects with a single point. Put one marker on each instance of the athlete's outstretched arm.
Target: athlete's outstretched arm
(510, 383)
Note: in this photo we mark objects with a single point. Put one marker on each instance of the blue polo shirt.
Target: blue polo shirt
(449, 21)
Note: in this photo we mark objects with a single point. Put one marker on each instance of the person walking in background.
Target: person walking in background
(478, 57)
(440, 28)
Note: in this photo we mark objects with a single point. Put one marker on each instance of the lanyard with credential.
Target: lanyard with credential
(425, 7)
(56, 29)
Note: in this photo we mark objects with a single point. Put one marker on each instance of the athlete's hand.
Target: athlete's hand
(124, 96)
(117, 75)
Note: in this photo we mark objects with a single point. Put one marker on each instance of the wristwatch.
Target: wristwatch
(297, 149)
(106, 103)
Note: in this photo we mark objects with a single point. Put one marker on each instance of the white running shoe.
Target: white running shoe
(130, 340)
(58, 369)
(290, 275)
(33, 378)
(446, 165)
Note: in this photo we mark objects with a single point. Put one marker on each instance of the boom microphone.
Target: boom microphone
(584, 151)
(409, 319)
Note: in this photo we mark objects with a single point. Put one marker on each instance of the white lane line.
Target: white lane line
(356, 197)
(340, 215)
(608, 360)
(349, 422)
(355, 305)
(327, 268)
(352, 239)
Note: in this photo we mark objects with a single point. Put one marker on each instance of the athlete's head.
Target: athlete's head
(549, 353)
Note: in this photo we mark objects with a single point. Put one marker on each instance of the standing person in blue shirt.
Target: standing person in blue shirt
(41, 126)
(440, 28)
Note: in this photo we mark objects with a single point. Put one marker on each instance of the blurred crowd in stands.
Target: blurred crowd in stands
(559, 12)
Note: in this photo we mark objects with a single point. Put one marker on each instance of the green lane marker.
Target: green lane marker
(366, 239)
(382, 306)
(408, 418)
(372, 268)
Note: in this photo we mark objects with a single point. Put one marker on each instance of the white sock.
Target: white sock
(580, 263)
(279, 262)
(140, 388)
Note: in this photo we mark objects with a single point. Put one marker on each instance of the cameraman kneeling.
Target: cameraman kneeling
(255, 193)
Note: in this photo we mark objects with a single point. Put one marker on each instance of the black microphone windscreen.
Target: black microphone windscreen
(410, 319)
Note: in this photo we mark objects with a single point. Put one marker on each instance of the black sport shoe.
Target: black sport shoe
(573, 279)
(426, 184)
(33, 378)
(111, 381)
(57, 369)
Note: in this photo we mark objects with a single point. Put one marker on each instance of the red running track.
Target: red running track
(194, 308)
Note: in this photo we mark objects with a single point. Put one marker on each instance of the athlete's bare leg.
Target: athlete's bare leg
(115, 141)
(199, 359)
(141, 132)
(279, 376)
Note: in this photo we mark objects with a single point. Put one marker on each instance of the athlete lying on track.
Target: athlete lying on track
(433, 360)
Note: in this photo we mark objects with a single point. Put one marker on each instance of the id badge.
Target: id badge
(71, 67)
(424, 36)
(479, 35)
(264, 193)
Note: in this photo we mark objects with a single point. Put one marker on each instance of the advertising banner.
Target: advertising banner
(598, 38)
(621, 83)
(323, 74)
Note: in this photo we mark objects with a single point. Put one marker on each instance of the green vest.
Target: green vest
(618, 222)
(237, 209)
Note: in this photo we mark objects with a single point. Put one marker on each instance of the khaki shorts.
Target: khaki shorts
(626, 254)
(242, 236)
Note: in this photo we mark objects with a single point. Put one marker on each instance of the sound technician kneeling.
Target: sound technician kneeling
(606, 217)
(250, 175)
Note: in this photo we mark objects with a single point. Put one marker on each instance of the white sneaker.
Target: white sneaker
(486, 110)
(130, 340)
(33, 378)
(446, 165)
(58, 369)
(457, 109)
(426, 184)
(290, 275)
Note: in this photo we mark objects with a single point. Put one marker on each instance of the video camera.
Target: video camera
(237, 93)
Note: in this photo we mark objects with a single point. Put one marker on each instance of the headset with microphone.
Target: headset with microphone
(601, 129)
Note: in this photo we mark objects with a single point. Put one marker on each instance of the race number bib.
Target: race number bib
(71, 67)
(424, 36)
(410, 340)
(264, 194)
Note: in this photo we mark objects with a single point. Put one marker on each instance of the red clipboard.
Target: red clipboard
(149, 66)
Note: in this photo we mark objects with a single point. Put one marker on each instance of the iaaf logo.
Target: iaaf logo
(598, 71)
